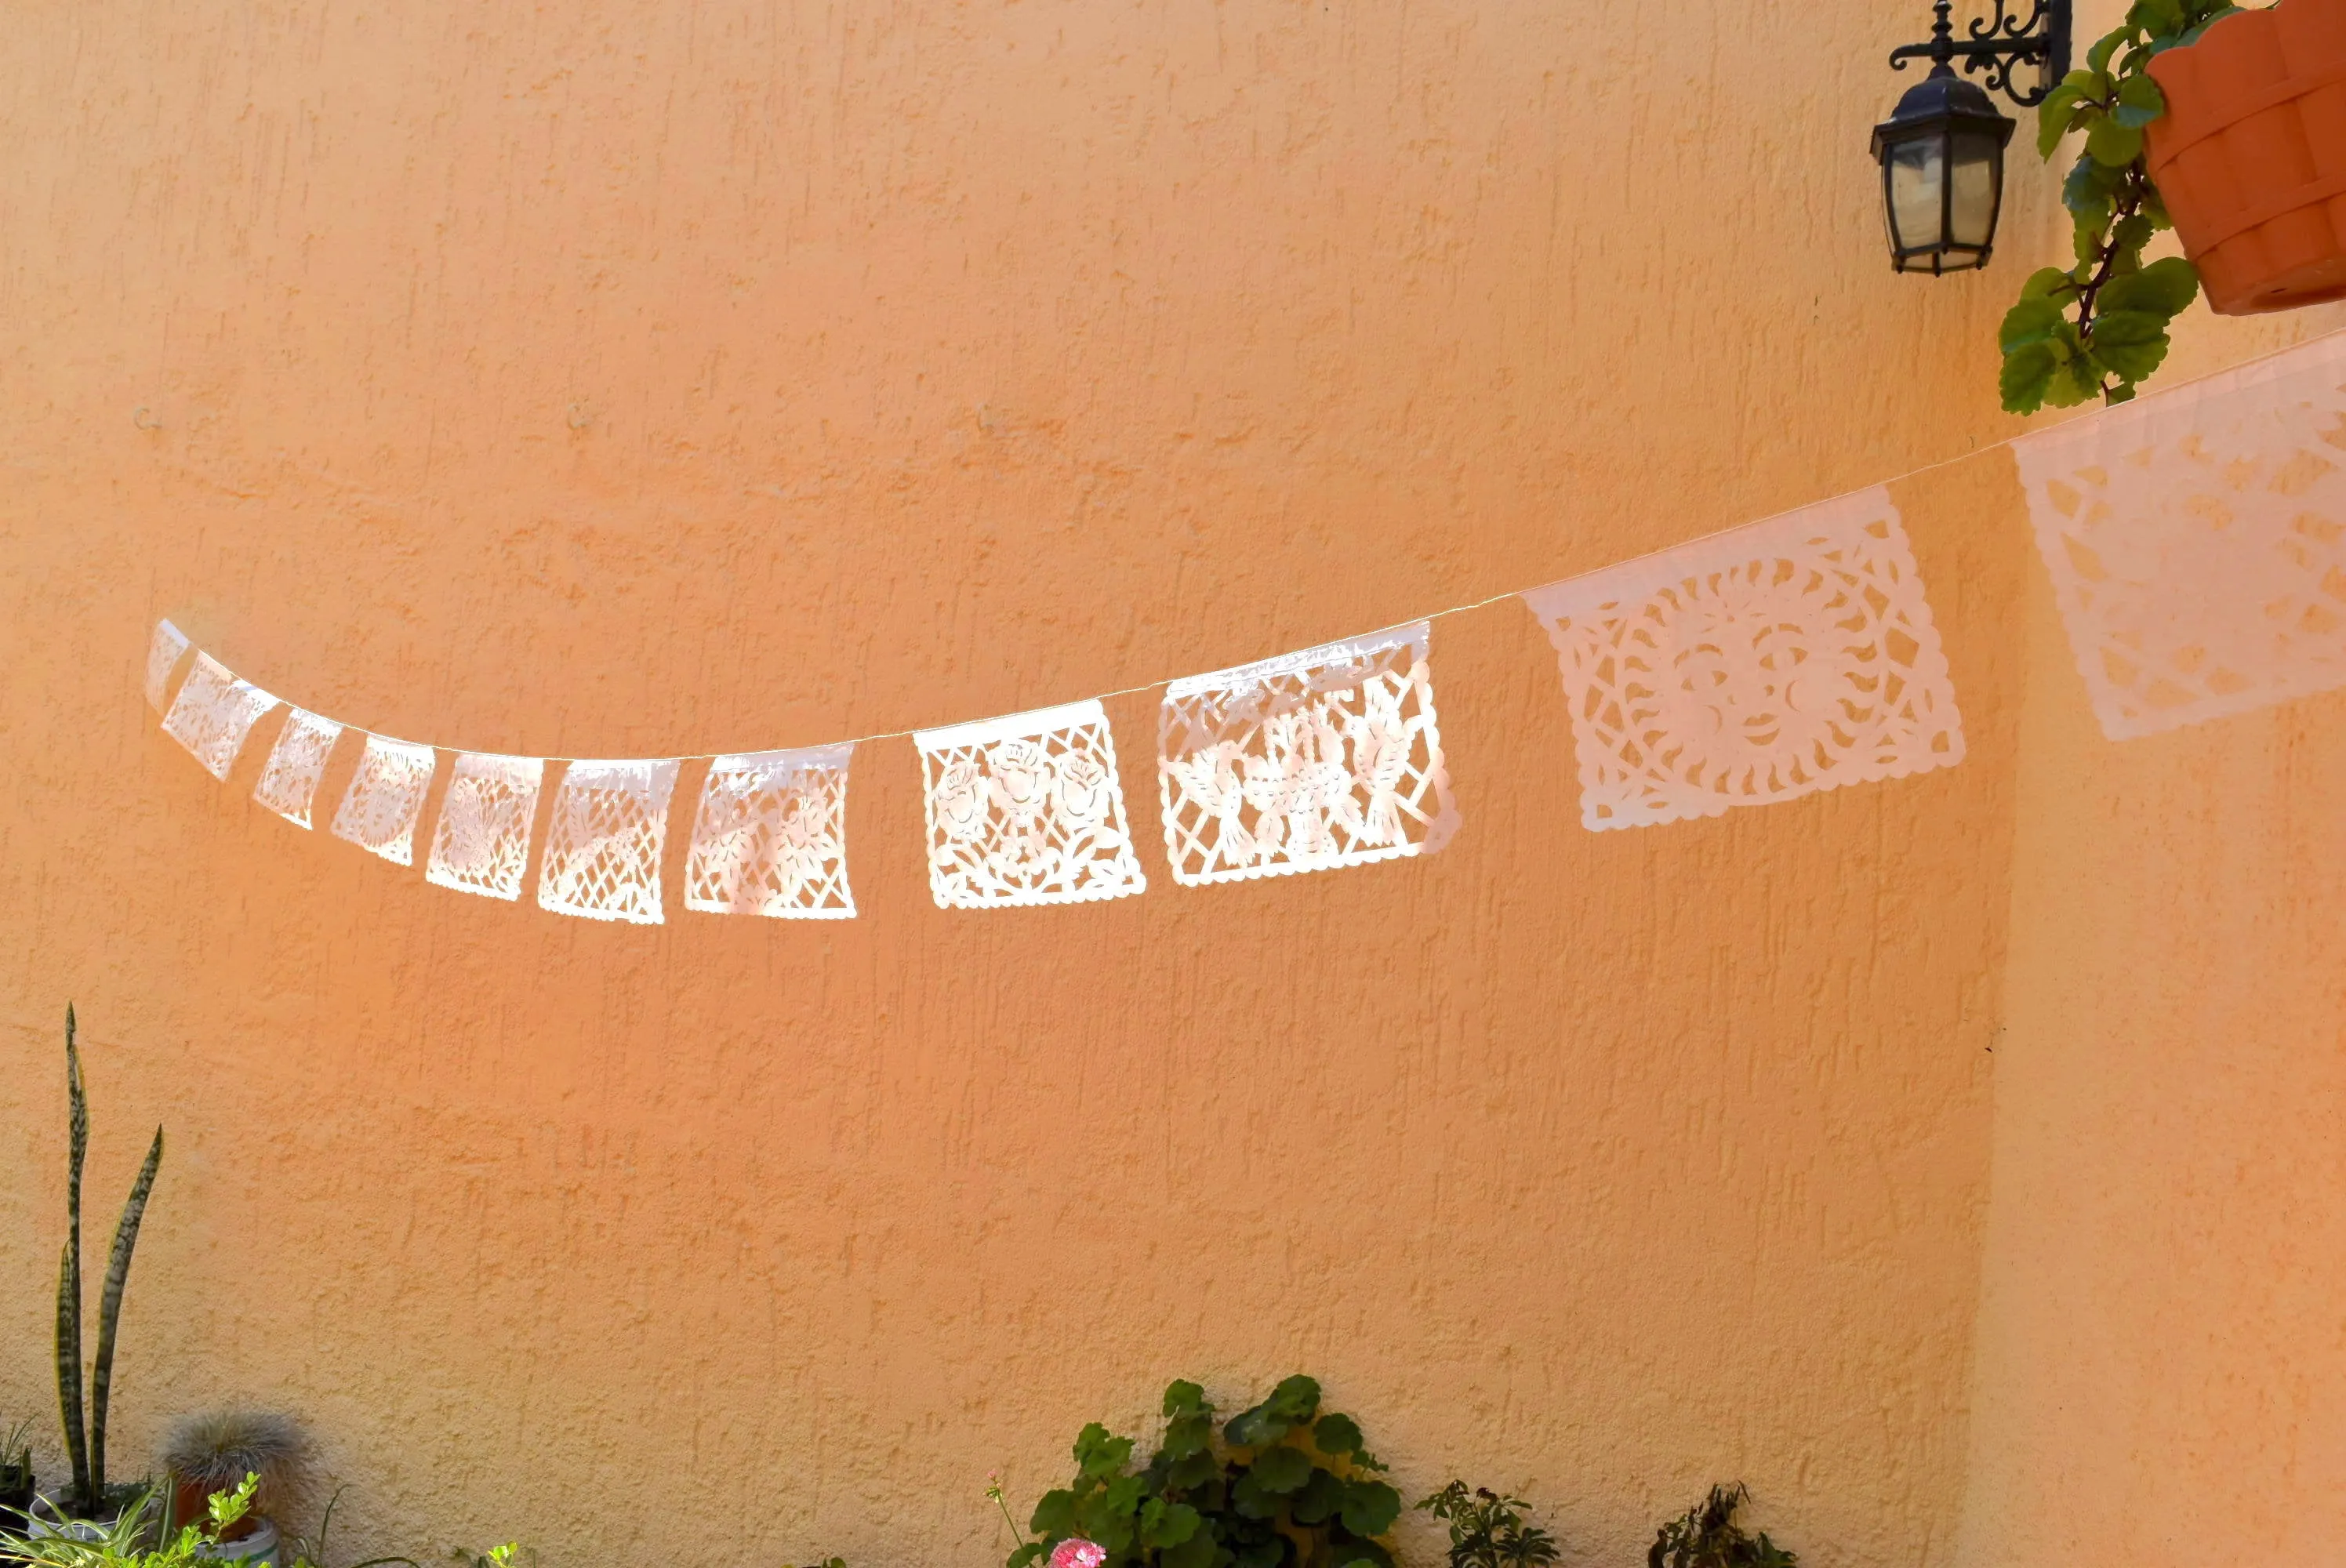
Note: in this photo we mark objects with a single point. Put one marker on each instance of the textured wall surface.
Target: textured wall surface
(609, 379)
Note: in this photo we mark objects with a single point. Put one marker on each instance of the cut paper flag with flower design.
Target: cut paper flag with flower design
(603, 851)
(481, 843)
(213, 714)
(1326, 758)
(289, 784)
(771, 836)
(163, 655)
(1790, 655)
(2197, 540)
(1027, 810)
(385, 796)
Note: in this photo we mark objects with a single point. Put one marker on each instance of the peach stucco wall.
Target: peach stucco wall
(610, 379)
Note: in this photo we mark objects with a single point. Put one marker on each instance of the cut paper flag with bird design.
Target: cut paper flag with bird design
(1759, 665)
(289, 784)
(603, 851)
(2197, 540)
(481, 843)
(1327, 758)
(213, 714)
(771, 836)
(1027, 810)
(385, 796)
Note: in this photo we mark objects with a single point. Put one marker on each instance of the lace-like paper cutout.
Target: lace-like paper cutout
(481, 843)
(1027, 810)
(1327, 758)
(603, 852)
(2197, 540)
(385, 796)
(163, 653)
(1791, 656)
(213, 713)
(770, 837)
(289, 784)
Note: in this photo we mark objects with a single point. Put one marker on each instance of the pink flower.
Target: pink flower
(1076, 1552)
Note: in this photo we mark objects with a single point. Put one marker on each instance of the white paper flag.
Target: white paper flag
(385, 796)
(1787, 657)
(213, 713)
(289, 784)
(2197, 540)
(163, 653)
(1326, 758)
(603, 851)
(771, 836)
(481, 843)
(1027, 810)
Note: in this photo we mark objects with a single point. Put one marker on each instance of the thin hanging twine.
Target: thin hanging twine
(1482, 604)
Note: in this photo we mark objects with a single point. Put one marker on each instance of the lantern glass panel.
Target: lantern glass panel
(1916, 169)
(1978, 165)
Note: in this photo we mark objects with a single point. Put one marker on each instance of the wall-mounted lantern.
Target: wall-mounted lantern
(1942, 149)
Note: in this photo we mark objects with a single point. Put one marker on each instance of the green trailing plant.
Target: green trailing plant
(2099, 328)
(85, 1436)
(1488, 1531)
(1290, 1486)
(1706, 1536)
(132, 1539)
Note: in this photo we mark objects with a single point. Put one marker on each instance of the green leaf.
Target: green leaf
(1188, 1434)
(1336, 1434)
(1321, 1499)
(1295, 1402)
(2074, 380)
(1249, 1500)
(1098, 1453)
(2112, 145)
(1184, 1398)
(1025, 1554)
(1253, 1428)
(2045, 282)
(1268, 1552)
(2131, 343)
(2053, 118)
(2098, 58)
(2032, 320)
(2165, 289)
(2027, 376)
(1367, 1552)
(1280, 1471)
(1191, 1472)
(1197, 1551)
(1164, 1524)
(1370, 1507)
(2089, 190)
(2139, 102)
(1054, 1514)
(2155, 18)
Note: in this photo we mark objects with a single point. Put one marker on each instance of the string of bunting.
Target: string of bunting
(2196, 540)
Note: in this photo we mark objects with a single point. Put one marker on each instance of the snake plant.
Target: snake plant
(86, 1438)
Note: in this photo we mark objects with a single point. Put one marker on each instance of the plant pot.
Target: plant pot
(191, 1505)
(2250, 155)
(257, 1549)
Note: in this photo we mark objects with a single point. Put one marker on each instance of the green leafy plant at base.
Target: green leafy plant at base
(86, 1438)
(1487, 1531)
(2099, 328)
(1706, 1536)
(130, 1539)
(15, 1473)
(1292, 1487)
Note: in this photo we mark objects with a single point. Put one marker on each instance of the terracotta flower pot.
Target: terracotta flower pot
(2250, 155)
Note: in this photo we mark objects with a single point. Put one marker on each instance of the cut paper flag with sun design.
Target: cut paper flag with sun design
(213, 714)
(481, 843)
(1326, 758)
(2193, 538)
(771, 836)
(289, 784)
(1027, 810)
(1787, 657)
(385, 796)
(603, 851)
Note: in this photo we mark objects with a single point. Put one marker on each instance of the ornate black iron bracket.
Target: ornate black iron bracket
(1997, 46)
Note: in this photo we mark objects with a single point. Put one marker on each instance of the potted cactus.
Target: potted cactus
(214, 1451)
(2228, 126)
